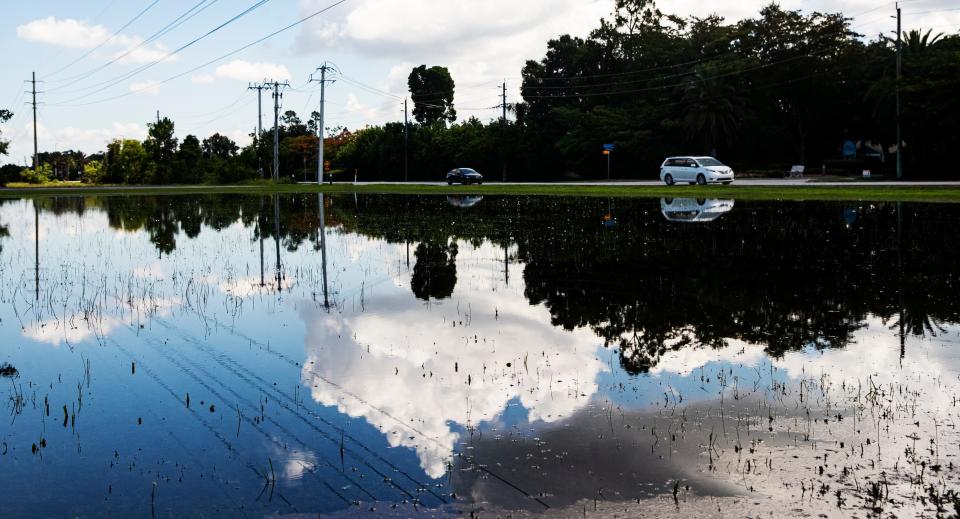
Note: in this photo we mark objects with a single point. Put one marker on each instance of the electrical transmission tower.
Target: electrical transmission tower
(323, 69)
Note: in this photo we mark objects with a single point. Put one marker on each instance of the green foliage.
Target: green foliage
(431, 90)
(188, 161)
(9, 173)
(39, 175)
(94, 172)
(5, 116)
(161, 147)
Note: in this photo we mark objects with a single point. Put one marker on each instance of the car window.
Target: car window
(709, 162)
(691, 163)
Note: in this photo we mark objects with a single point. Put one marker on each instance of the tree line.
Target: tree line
(780, 88)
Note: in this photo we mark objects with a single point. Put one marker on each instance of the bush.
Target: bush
(38, 176)
(9, 173)
(93, 172)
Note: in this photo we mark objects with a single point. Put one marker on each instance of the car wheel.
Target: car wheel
(701, 180)
(668, 179)
(701, 201)
(479, 182)
(449, 182)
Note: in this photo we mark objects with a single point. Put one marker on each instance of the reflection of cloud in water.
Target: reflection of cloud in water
(78, 328)
(685, 360)
(929, 365)
(244, 287)
(74, 329)
(413, 370)
(874, 353)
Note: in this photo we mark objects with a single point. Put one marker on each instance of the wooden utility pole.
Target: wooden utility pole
(323, 98)
(276, 127)
(259, 87)
(406, 141)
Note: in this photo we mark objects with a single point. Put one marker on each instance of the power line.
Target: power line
(112, 82)
(220, 58)
(178, 21)
(104, 42)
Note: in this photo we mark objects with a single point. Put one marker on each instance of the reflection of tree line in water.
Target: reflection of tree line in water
(786, 275)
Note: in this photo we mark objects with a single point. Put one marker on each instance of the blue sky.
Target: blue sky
(94, 90)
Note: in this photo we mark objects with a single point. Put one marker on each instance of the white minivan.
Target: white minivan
(695, 170)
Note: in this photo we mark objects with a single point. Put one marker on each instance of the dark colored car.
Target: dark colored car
(464, 176)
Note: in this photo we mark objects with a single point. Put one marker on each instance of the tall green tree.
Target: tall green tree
(713, 109)
(188, 160)
(431, 90)
(5, 116)
(161, 146)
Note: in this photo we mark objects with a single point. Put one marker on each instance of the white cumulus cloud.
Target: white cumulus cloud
(65, 33)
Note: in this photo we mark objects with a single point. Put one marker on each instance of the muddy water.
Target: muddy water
(397, 356)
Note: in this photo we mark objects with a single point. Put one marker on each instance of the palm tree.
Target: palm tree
(916, 42)
(713, 109)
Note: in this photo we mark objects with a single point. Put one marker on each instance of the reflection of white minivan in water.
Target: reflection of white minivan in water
(694, 209)
(695, 170)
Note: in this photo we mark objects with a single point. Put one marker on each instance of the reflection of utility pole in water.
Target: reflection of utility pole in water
(408, 253)
(903, 337)
(276, 236)
(323, 250)
(506, 264)
(260, 235)
(36, 250)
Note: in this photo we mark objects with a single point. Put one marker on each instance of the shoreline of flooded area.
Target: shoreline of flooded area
(419, 355)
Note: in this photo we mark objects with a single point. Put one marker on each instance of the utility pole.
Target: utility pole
(899, 70)
(406, 140)
(504, 126)
(323, 98)
(323, 249)
(259, 87)
(158, 116)
(276, 127)
(33, 90)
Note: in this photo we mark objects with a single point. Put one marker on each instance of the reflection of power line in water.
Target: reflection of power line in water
(236, 368)
(156, 378)
(257, 426)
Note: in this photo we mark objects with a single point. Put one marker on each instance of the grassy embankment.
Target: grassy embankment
(785, 192)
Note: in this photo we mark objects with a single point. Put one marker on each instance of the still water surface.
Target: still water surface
(360, 355)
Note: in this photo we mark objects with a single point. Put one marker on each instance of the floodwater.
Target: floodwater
(483, 356)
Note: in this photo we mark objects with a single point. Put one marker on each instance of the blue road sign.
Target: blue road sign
(608, 147)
